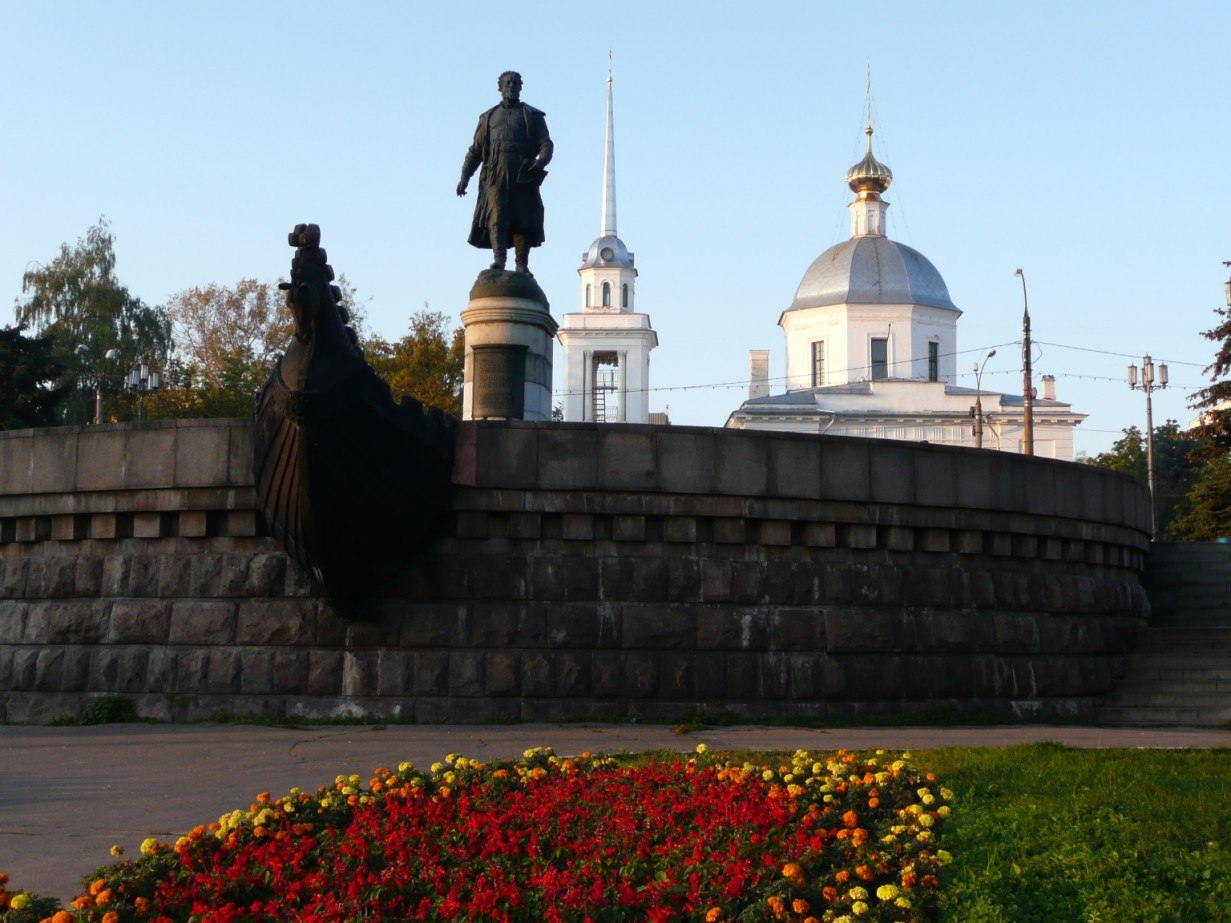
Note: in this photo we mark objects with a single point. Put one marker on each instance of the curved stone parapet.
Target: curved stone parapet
(590, 571)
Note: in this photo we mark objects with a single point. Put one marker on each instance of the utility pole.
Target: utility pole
(1027, 383)
(978, 370)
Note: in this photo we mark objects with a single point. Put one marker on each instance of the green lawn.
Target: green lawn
(1048, 833)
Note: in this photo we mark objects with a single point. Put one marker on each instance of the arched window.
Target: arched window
(588, 294)
(624, 296)
(606, 294)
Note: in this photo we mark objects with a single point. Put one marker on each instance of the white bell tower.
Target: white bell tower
(607, 344)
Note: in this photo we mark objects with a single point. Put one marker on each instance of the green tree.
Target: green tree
(1175, 471)
(1208, 516)
(1215, 401)
(29, 372)
(425, 364)
(79, 303)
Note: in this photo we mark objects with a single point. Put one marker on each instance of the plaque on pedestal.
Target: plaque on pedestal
(499, 382)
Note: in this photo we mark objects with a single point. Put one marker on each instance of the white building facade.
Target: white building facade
(871, 349)
(607, 343)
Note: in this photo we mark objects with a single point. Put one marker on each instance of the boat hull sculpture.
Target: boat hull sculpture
(354, 484)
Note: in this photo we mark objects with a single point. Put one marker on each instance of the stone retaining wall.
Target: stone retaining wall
(590, 571)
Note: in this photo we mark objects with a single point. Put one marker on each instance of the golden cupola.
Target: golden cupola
(869, 178)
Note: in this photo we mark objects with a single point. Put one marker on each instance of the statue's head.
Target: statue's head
(510, 86)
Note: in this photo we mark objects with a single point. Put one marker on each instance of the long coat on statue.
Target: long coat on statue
(506, 142)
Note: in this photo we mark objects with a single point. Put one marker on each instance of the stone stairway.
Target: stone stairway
(1180, 668)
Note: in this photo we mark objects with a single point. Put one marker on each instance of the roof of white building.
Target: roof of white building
(872, 270)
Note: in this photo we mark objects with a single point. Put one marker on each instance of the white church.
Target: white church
(871, 349)
(607, 343)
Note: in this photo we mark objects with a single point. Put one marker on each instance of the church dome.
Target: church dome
(869, 175)
(872, 270)
(607, 251)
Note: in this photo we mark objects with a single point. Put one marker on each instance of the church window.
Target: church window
(880, 358)
(933, 362)
(624, 296)
(606, 294)
(818, 364)
(588, 287)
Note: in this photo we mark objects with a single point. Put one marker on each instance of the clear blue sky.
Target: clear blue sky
(1086, 143)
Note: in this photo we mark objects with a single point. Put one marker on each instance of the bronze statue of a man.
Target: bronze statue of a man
(513, 146)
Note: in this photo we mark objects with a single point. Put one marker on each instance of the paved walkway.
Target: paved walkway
(68, 794)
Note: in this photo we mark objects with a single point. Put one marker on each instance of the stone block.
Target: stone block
(728, 531)
(490, 625)
(6, 673)
(571, 578)
(998, 544)
(675, 676)
(780, 586)
(577, 527)
(681, 529)
(774, 532)
(29, 529)
(75, 622)
(192, 672)
(975, 479)
(34, 578)
(934, 540)
(15, 462)
(651, 578)
(291, 670)
(628, 457)
(657, 627)
(716, 580)
(13, 621)
(868, 630)
(202, 456)
(161, 670)
(900, 538)
(795, 467)
(60, 573)
(256, 675)
(239, 523)
(202, 622)
(88, 576)
(430, 673)
(536, 673)
(687, 460)
(12, 575)
(1025, 546)
(360, 673)
(857, 535)
(222, 677)
(641, 672)
(53, 462)
(568, 458)
(233, 574)
(797, 629)
(892, 474)
(575, 626)
(741, 466)
(846, 470)
(25, 663)
(143, 575)
(423, 625)
(748, 581)
(149, 457)
(174, 575)
(628, 528)
(525, 525)
(139, 621)
(104, 526)
(275, 622)
(935, 478)
(941, 631)
(969, 541)
(101, 460)
(48, 670)
(325, 673)
(266, 574)
(607, 670)
(192, 524)
(572, 674)
(470, 524)
(69, 528)
(76, 671)
(503, 455)
(820, 534)
(501, 673)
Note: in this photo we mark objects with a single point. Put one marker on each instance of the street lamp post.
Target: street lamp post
(1148, 383)
(977, 368)
(109, 356)
(142, 381)
(1027, 384)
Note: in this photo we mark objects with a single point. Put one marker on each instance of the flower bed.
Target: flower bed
(821, 837)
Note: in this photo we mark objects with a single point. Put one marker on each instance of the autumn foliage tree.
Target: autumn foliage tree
(425, 364)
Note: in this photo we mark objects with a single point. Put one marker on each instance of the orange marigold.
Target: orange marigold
(714, 914)
(799, 905)
(793, 871)
(111, 917)
(61, 916)
(850, 819)
(97, 885)
(84, 902)
(830, 893)
(103, 897)
(930, 881)
(859, 836)
(843, 877)
(874, 802)
(864, 872)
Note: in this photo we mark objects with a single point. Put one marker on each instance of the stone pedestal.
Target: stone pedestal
(509, 337)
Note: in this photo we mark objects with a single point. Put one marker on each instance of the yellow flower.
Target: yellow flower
(887, 892)
(925, 820)
(20, 901)
(149, 846)
(943, 856)
(702, 748)
(117, 851)
(859, 908)
(858, 894)
(903, 902)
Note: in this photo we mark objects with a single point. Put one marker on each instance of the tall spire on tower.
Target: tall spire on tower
(609, 202)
